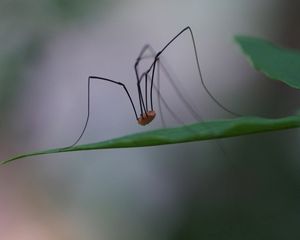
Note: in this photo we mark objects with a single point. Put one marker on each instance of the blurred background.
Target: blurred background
(185, 191)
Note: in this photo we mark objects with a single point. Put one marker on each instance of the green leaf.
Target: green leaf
(195, 132)
(275, 62)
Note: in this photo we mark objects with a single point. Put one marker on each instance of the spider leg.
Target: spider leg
(198, 67)
(143, 107)
(88, 103)
(165, 70)
(161, 100)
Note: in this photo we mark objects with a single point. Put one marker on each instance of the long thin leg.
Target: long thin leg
(144, 76)
(146, 92)
(198, 67)
(157, 89)
(141, 57)
(158, 95)
(192, 110)
(152, 79)
(141, 101)
(143, 108)
(88, 112)
(162, 100)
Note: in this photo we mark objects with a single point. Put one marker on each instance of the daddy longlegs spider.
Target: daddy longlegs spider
(147, 113)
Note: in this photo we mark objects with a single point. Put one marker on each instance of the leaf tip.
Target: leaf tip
(4, 162)
(238, 38)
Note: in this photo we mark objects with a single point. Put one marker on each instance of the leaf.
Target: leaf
(275, 62)
(194, 132)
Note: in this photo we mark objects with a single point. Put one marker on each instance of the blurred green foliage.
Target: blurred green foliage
(275, 62)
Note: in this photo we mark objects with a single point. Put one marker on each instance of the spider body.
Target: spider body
(145, 86)
(146, 118)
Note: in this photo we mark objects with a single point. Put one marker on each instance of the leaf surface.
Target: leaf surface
(275, 62)
(188, 133)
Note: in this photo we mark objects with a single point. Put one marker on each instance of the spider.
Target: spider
(146, 109)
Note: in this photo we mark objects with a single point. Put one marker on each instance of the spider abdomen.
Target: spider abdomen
(146, 118)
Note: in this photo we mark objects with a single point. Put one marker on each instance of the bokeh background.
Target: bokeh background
(186, 191)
